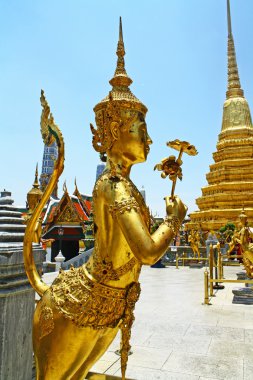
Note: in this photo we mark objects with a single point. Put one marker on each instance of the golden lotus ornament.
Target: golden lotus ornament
(170, 166)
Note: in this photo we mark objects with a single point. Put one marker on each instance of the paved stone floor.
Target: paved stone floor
(176, 337)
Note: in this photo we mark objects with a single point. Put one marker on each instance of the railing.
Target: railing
(185, 251)
(183, 259)
(208, 283)
(209, 279)
(78, 260)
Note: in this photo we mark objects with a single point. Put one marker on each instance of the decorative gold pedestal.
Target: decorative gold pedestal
(97, 376)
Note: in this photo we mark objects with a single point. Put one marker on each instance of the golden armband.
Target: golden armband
(173, 222)
(123, 206)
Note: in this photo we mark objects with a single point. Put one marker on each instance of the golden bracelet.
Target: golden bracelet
(173, 222)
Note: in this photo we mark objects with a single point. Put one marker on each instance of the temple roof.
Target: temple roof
(85, 200)
(70, 210)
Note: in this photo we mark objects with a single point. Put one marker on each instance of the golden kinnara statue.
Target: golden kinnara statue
(78, 316)
(244, 238)
(194, 240)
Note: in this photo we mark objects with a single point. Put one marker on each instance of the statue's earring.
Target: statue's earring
(114, 127)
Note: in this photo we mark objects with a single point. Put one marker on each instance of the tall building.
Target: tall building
(143, 193)
(100, 169)
(230, 179)
(49, 157)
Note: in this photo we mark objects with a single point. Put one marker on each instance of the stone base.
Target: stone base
(243, 296)
(218, 286)
(246, 292)
(232, 263)
(98, 376)
(196, 264)
(16, 312)
(243, 300)
(158, 264)
(241, 275)
(49, 267)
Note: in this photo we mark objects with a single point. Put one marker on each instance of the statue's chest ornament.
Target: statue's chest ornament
(135, 202)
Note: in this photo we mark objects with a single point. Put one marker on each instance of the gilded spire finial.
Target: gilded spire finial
(36, 182)
(120, 30)
(120, 76)
(234, 85)
(35, 194)
(229, 18)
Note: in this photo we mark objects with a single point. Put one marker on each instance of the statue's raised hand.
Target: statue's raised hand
(175, 207)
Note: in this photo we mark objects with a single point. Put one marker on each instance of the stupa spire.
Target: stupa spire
(36, 182)
(229, 19)
(35, 194)
(230, 179)
(234, 85)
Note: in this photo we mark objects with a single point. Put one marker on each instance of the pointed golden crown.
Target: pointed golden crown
(119, 98)
(120, 83)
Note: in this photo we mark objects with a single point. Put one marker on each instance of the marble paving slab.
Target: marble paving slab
(176, 337)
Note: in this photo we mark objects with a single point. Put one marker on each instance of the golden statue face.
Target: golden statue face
(135, 139)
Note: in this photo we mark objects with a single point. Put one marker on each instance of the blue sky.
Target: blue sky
(176, 54)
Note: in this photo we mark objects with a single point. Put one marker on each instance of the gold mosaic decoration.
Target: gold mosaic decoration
(46, 321)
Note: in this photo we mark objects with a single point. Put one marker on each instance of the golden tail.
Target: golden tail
(50, 133)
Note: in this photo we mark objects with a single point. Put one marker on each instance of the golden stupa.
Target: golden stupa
(34, 195)
(230, 180)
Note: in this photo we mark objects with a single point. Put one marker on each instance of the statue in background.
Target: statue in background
(245, 240)
(194, 240)
(234, 243)
(78, 317)
(241, 241)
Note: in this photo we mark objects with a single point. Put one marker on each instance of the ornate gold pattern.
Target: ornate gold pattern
(236, 113)
(126, 325)
(103, 270)
(69, 215)
(86, 302)
(173, 222)
(123, 206)
(136, 201)
(102, 137)
(46, 321)
(120, 99)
